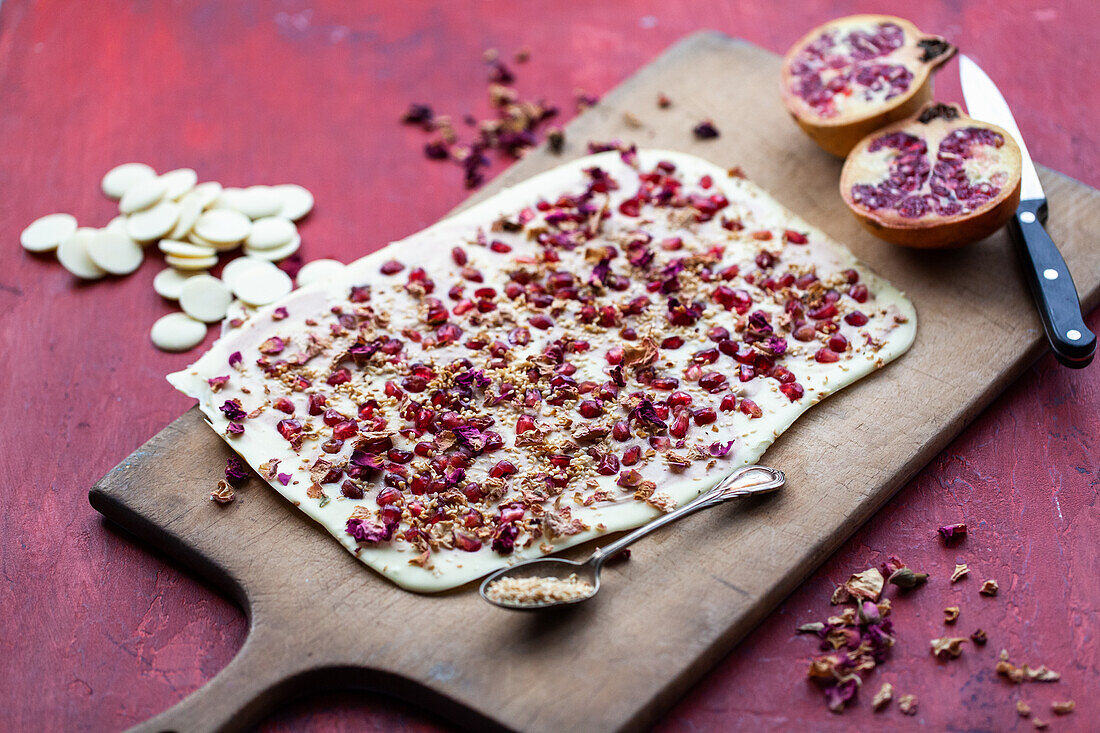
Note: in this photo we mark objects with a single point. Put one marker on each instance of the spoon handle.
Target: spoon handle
(742, 482)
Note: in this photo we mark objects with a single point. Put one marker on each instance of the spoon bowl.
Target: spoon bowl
(745, 481)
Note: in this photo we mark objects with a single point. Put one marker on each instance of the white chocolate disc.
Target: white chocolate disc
(114, 252)
(257, 202)
(277, 254)
(296, 201)
(124, 176)
(154, 223)
(177, 332)
(261, 285)
(229, 198)
(318, 270)
(168, 282)
(207, 193)
(190, 209)
(191, 263)
(118, 224)
(179, 182)
(205, 298)
(44, 234)
(223, 226)
(271, 232)
(218, 246)
(142, 195)
(72, 253)
(235, 268)
(185, 249)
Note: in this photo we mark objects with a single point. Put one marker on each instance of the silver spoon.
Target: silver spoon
(745, 481)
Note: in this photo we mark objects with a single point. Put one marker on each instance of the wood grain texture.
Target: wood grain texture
(99, 632)
(315, 615)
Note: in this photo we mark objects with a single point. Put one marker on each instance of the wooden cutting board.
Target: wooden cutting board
(319, 619)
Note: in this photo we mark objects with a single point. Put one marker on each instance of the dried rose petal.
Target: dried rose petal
(867, 585)
(979, 637)
(236, 472)
(907, 704)
(989, 588)
(223, 494)
(950, 614)
(216, 383)
(705, 130)
(284, 478)
(235, 358)
(948, 647)
(883, 697)
(961, 570)
(950, 532)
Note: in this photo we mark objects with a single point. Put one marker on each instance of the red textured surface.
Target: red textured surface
(99, 632)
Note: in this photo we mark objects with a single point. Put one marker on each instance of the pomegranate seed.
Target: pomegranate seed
(795, 237)
(590, 409)
(665, 383)
(289, 428)
(502, 469)
(524, 423)
(706, 356)
(679, 399)
(560, 460)
(541, 321)
(729, 403)
(500, 247)
(284, 405)
(826, 356)
(713, 381)
(345, 430)
(750, 408)
(459, 256)
(419, 483)
(805, 333)
(620, 431)
(391, 268)
(608, 465)
(672, 342)
(315, 404)
(823, 311)
(679, 427)
(424, 450)
(838, 343)
(615, 355)
(387, 496)
(852, 276)
(765, 259)
(332, 417)
(332, 446)
(632, 455)
(856, 318)
(793, 390)
(859, 293)
(746, 372)
(705, 416)
(718, 333)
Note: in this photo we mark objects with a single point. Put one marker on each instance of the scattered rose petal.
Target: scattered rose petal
(989, 588)
(948, 647)
(223, 494)
(867, 585)
(979, 637)
(950, 532)
(236, 472)
(907, 704)
(1063, 708)
(284, 478)
(883, 697)
(950, 614)
(235, 358)
(216, 383)
(1023, 709)
(961, 570)
(705, 130)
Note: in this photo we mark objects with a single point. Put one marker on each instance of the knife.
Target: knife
(1051, 285)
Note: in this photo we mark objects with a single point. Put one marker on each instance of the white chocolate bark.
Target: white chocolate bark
(888, 333)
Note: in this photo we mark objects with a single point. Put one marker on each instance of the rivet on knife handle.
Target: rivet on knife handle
(1052, 287)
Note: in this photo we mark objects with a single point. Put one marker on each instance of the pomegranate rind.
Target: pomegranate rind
(839, 134)
(934, 231)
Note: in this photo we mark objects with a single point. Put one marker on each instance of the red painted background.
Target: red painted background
(100, 632)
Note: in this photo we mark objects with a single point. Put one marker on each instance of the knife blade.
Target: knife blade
(1048, 276)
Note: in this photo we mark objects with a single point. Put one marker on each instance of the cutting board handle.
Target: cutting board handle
(253, 684)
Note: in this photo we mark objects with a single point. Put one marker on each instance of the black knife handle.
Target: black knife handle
(1051, 286)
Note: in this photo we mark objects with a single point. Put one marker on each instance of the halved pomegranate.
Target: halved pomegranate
(940, 179)
(847, 78)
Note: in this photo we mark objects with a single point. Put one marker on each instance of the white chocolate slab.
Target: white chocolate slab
(891, 330)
